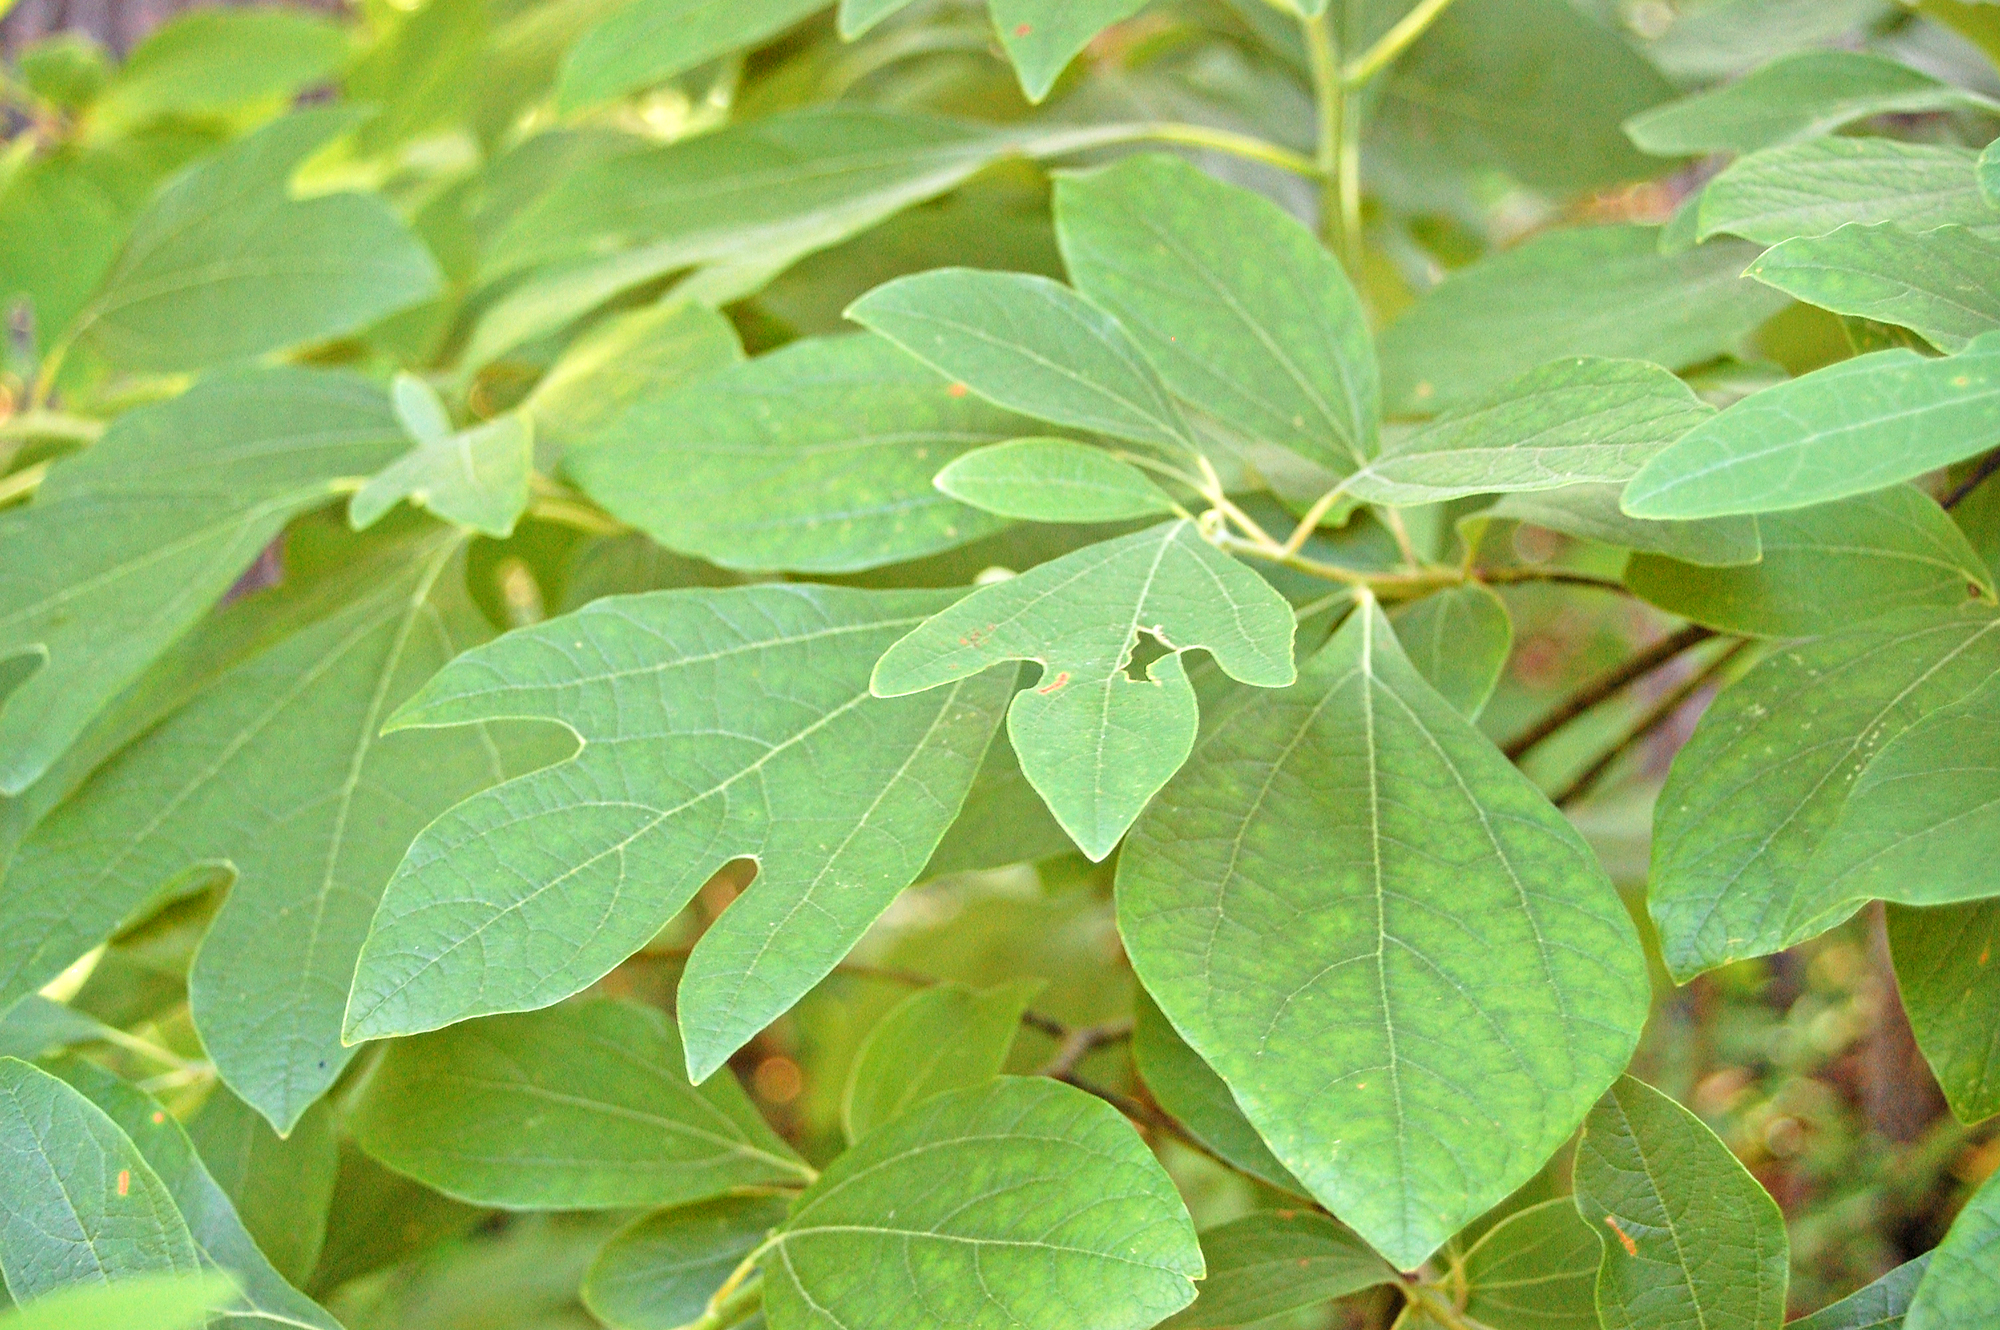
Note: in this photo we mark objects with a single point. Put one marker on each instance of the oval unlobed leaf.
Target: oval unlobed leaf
(78, 1203)
(1041, 37)
(1094, 741)
(1030, 345)
(1579, 291)
(659, 1272)
(1855, 426)
(1798, 96)
(1581, 420)
(1271, 1262)
(1825, 568)
(1002, 1207)
(1880, 1306)
(939, 1039)
(627, 359)
(129, 542)
(1935, 283)
(1052, 480)
(1950, 988)
(142, 1302)
(816, 458)
(1535, 1270)
(279, 1186)
(225, 264)
(1961, 1283)
(1459, 640)
(715, 725)
(1243, 311)
(1771, 766)
(1385, 1015)
(1190, 1091)
(582, 1106)
(1592, 512)
(1809, 189)
(646, 42)
(1690, 1238)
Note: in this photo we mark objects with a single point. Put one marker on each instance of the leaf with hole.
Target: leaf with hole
(1096, 740)
(1440, 903)
(714, 725)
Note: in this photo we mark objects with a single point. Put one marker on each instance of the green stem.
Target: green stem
(739, 1298)
(1331, 102)
(1247, 146)
(1393, 43)
(1435, 1305)
(51, 425)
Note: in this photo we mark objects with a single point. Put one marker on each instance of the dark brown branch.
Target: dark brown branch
(1660, 714)
(1605, 685)
(1080, 1043)
(1987, 466)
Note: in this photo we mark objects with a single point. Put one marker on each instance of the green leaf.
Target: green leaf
(628, 359)
(1855, 426)
(662, 1268)
(1915, 823)
(1989, 174)
(1041, 37)
(1771, 765)
(1190, 1091)
(1244, 313)
(1824, 568)
(78, 1203)
(1690, 1238)
(475, 477)
(1880, 1306)
(1535, 1270)
(1581, 291)
(209, 61)
(143, 1302)
(1416, 1003)
(1799, 96)
(225, 264)
(275, 775)
(1003, 1207)
(647, 42)
(527, 893)
(1030, 345)
(1459, 640)
(1575, 421)
(218, 1233)
(816, 458)
(765, 192)
(1275, 1261)
(1961, 1286)
(1094, 741)
(1937, 283)
(1951, 991)
(35, 1025)
(943, 1038)
(279, 1186)
(581, 1106)
(1592, 512)
(1002, 822)
(858, 16)
(1052, 480)
(130, 541)
(1809, 189)
(1534, 87)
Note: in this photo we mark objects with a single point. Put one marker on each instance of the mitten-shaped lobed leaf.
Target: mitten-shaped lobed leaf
(1690, 1238)
(1020, 1205)
(1407, 966)
(715, 725)
(1094, 741)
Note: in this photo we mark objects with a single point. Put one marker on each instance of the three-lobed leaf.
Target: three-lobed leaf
(1690, 1238)
(1095, 741)
(1417, 1002)
(1006, 1206)
(581, 1106)
(714, 725)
